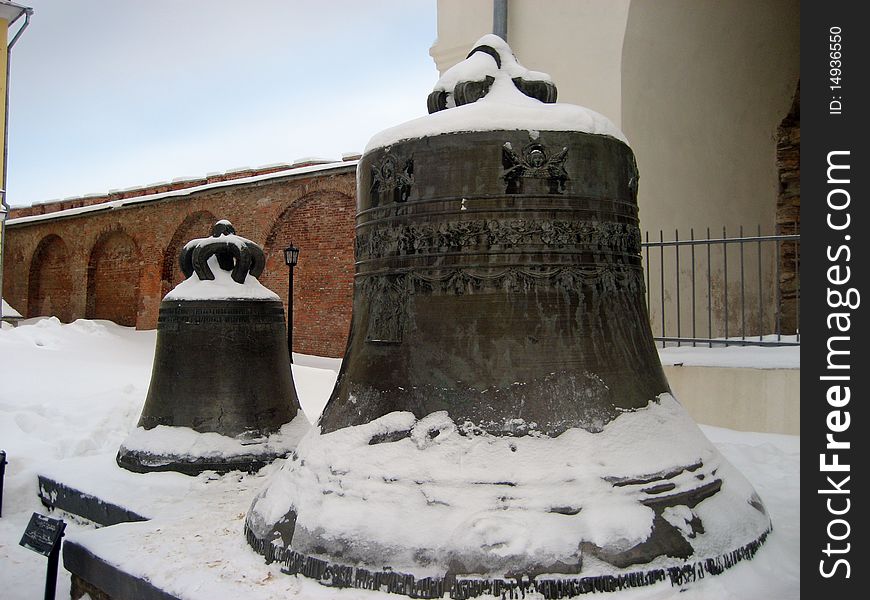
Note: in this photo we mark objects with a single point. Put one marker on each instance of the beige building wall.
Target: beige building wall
(705, 84)
(744, 399)
(460, 24)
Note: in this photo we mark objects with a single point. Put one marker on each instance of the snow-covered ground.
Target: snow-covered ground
(76, 390)
(719, 355)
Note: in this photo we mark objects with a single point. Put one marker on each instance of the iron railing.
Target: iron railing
(701, 280)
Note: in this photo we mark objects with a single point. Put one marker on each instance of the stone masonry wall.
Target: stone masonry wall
(788, 214)
(118, 263)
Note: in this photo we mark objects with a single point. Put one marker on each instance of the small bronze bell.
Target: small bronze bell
(221, 366)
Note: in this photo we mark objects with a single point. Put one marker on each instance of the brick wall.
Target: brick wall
(113, 278)
(118, 264)
(788, 213)
(322, 226)
(49, 281)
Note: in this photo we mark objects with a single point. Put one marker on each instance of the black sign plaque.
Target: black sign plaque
(42, 534)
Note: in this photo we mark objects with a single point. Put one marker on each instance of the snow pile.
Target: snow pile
(165, 445)
(71, 390)
(199, 554)
(503, 108)
(480, 65)
(67, 391)
(496, 505)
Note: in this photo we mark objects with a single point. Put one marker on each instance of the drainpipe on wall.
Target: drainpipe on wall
(499, 18)
(4, 207)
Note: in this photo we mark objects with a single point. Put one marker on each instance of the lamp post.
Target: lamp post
(291, 257)
(3, 464)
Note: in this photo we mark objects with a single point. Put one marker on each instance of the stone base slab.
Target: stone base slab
(102, 581)
(764, 400)
(55, 494)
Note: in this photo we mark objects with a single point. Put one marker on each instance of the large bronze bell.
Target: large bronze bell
(502, 283)
(501, 421)
(221, 366)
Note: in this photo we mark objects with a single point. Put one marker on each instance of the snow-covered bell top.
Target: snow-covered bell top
(224, 266)
(491, 90)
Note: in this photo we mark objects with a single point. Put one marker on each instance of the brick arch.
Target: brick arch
(321, 224)
(49, 286)
(195, 225)
(113, 278)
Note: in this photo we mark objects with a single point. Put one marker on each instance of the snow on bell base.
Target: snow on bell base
(222, 396)
(501, 421)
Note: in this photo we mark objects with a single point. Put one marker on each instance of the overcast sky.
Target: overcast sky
(119, 93)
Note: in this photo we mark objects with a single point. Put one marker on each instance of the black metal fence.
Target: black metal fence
(742, 290)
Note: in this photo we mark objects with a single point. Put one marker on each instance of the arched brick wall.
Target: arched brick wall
(195, 225)
(321, 225)
(123, 252)
(788, 213)
(49, 281)
(113, 278)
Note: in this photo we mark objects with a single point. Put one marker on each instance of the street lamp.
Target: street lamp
(291, 257)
